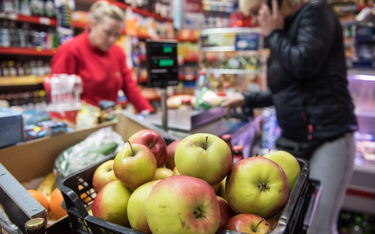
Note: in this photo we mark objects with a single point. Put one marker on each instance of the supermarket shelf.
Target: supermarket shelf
(188, 40)
(140, 11)
(21, 80)
(191, 60)
(218, 49)
(29, 19)
(79, 25)
(232, 71)
(142, 79)
(180, 77)
(24, 51)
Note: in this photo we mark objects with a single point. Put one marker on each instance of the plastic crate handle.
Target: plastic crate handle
(71, 199)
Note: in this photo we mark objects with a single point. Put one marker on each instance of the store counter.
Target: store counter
(182, 123)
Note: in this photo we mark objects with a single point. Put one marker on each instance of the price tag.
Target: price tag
(12, 16)
(44, 20)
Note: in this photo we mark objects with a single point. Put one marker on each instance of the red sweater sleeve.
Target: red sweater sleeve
(132, 91)
(64, 61)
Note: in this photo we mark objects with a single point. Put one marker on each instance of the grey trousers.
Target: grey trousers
(332, 164)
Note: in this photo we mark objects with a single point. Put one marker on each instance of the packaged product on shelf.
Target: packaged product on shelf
(25, 7)
(7, 5)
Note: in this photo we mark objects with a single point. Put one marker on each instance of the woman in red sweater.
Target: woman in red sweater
(101, 64)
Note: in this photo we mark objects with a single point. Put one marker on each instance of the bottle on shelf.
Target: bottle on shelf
(20, 69)
(16, 6)
(22, 37)
(4, 34)
(228, 139)
(7, 5)
(237, 153)
(12, 69)
(13, 34)
(49, 8)
(25, 7)
(35, 226)
(33, 68)
(26, 68)
(4, 69)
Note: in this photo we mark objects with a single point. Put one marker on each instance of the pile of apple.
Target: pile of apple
(136, 190)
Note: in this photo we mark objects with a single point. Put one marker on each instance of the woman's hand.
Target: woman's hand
(233, 101)
(268, 20)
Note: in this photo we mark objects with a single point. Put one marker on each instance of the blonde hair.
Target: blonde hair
(102, 8)
(246, 5)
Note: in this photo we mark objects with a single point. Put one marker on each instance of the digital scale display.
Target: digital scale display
(162, 67)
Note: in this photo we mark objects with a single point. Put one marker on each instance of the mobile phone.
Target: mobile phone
(269, 3)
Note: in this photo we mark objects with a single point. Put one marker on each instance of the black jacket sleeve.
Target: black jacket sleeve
(258, 99)
(305, 57)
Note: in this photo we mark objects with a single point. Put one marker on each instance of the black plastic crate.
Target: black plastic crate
(78, 193)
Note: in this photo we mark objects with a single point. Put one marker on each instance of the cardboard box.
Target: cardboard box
(34, 159)
(10, 127)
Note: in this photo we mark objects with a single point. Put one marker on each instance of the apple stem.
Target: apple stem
(255, 230)
(269, 150)
(131, 148)
(205, 146)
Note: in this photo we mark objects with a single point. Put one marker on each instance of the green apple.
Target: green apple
(216, 188)
(134, 165)
(221, 191)
(204, 156)
(248, 223)
(111, 203)
(162, 173)
(257, 185)
(182, 205)
(103, 175)
(136, 207)
(288, 163)
(175, 171)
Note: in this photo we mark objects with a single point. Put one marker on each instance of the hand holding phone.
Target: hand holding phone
(269, 3)
(270, 17)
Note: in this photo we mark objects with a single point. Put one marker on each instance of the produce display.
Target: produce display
(204, 193)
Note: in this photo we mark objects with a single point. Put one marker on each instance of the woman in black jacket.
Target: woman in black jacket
(308, 87)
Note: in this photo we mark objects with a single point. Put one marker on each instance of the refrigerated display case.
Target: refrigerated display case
(360, 195)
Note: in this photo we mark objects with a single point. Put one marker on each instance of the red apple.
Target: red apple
(103, 175)
(257, 185)
(182, 205)
(171, 149)
(154, 142)
(111, 203)
(225, 212)
(248, 223)
(134, 165)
